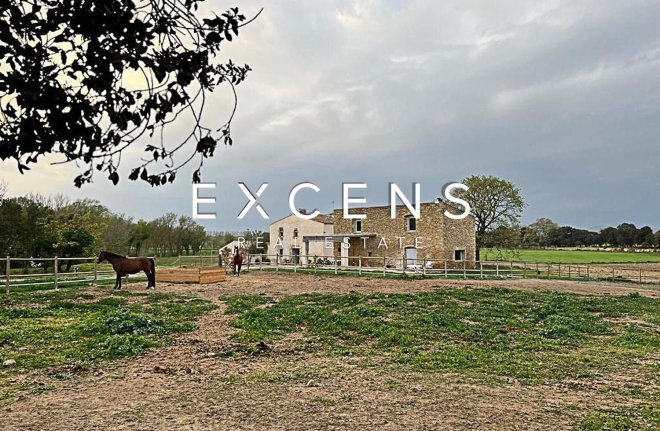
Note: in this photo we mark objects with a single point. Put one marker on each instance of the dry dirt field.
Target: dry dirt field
(189, 386)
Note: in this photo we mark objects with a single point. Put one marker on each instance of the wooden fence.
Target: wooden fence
(85, 270)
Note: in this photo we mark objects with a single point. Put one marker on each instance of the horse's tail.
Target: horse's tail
(153, 272)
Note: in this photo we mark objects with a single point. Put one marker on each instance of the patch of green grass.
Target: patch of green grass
(242, 303)
(42, 329)
(479, 333)
(572, 256)
(641, 418)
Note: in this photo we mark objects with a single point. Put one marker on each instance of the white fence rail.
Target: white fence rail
(454, 269)
(91, 273)
(85, 270)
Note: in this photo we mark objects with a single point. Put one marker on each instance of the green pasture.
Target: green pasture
(73, 329)
(569, 256)
(485, 336)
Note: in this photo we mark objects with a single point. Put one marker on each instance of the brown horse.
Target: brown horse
(130, 265)
(237, 262)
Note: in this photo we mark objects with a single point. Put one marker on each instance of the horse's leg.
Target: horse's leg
(118, 282)
(239, 270)
(150, 277)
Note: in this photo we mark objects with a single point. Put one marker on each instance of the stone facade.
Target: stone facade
(435, 237)
(292, 231)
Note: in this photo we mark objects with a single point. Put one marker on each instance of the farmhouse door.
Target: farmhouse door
(296, 256)
(411, 257)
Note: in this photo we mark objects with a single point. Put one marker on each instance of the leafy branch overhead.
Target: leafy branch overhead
(87, 79)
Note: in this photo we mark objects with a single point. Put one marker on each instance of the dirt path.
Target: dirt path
(287, 283)
(190, 386)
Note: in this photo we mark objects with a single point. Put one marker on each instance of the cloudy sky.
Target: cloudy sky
(560, 97)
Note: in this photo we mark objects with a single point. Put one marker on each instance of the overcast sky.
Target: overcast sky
(560, 97)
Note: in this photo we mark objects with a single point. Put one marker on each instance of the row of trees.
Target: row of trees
(546, 233)
(36, 226)
(497, 206)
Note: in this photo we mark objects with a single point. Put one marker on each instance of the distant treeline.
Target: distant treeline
(36, 226)
(546, 233)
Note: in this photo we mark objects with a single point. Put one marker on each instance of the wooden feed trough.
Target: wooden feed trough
(192, 274)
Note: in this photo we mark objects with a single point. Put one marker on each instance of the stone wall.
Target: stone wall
(436, 237)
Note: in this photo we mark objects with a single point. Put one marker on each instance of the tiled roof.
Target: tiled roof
(324, 218)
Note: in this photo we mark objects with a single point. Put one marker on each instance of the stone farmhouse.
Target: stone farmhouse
(431, 240)
(289, 238)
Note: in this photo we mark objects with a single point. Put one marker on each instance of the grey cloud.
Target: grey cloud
(560, 97)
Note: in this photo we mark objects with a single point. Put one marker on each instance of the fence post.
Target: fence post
(548, 271)
(424, 267)
(524, 269)
(446, 269)
(384, 266)
(538, 273)
(403, 264)
(587, 271)
(497, 269)
(336, 266)
(295, 263)
(56, 271)
(96, 272)
(569, 272)
(360, 265)
(481, 270)
(249, 259)
(261, 262)
(464, 269)
(511, 269)
(640, 274)
(7, 275)
(559, 269)
(277, 262)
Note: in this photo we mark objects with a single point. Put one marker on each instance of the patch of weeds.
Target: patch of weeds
(53, 330)
(242, 303)
(486, 334)
(642, 418)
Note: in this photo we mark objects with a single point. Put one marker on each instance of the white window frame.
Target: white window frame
(408, 218)
(355, 226)
(462, 253)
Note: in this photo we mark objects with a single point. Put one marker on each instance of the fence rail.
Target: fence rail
(87, 271)
(454, 269)
(82, 270)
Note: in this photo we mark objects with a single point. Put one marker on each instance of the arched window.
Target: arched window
(295, 233)
(281, 232)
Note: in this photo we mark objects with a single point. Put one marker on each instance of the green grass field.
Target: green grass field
(58, 330)
(570, 256)
(486, 336)
(483, 336)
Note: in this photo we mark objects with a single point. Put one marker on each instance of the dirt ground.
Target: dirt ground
(189, 386)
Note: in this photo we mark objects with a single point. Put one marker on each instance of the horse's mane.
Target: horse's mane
(114, 254)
